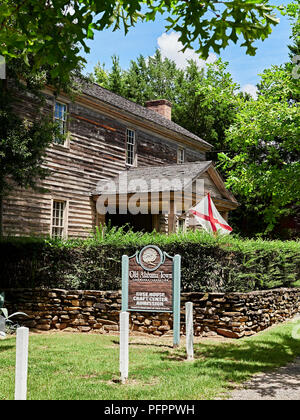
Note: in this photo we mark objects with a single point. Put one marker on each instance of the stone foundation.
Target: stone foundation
(231, 315)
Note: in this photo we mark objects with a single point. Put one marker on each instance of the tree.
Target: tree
(115, 81)
(264, 168)
(205, 100)
(24, 41)
(100, 75)
(54, 31)
(151, 78)
(263, 165)
(138, 82)
(293, 12)
(22, 142)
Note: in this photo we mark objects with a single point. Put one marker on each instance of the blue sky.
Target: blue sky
(144, 38)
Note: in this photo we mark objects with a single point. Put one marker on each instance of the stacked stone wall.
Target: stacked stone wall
(228, 314)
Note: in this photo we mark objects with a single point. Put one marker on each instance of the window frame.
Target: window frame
(180, 155)
(65, 121)
(133, 147)
(182, 224)
(64, 218)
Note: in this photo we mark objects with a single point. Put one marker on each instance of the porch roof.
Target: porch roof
(159, 179)
(154, 178)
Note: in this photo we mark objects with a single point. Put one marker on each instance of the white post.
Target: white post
(124, 346)
(189, 327)
(21, 363)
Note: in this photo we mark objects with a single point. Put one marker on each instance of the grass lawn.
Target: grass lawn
(85, 366)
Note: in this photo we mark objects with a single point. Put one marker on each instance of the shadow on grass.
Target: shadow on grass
(148, 344)
(151, 345)
(6, 347)
(236, 362)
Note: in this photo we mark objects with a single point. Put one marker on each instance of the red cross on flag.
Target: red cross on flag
(208, 216)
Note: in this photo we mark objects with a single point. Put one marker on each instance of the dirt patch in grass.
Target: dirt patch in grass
(134, 382)
(117, 381)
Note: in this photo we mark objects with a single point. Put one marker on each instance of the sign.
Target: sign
(151, 283)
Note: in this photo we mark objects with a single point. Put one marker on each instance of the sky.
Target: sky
(146, 37)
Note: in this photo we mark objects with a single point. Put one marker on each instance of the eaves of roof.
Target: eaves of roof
(98, 92)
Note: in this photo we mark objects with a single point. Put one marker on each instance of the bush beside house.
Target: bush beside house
(209, 264)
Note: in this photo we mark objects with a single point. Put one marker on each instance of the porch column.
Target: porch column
(100, 219)
(172, 217)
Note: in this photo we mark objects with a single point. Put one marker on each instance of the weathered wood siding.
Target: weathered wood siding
(96, 151)
(210, 186)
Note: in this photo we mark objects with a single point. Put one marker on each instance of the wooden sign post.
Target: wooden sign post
(124, 344)
(189, 328)
(151, 283)
(21, 363)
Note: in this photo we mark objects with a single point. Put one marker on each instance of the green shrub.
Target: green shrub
(209, 263)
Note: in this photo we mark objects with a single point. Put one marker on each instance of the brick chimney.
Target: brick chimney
(161, 106)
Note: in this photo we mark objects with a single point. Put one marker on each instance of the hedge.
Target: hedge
(208, 264)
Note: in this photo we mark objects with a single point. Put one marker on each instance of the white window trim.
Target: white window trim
(65, 216)
(179, 151)
(134, 148)
(61, 101)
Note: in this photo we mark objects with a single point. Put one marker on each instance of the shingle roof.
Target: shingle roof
(153, 178)
(96, 91)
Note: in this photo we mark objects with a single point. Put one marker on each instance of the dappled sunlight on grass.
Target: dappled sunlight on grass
(86, 366)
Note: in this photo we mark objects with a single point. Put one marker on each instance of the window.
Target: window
(60, 117)
(130, 147)
(180, 156)
(58, 227)
(181, 225)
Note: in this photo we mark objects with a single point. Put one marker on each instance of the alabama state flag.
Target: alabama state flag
(208, 216)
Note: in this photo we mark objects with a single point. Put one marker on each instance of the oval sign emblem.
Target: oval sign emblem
(150, 258)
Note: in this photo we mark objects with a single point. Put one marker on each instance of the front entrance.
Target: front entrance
(138, 222)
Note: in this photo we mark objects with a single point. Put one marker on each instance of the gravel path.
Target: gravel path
(281, 384)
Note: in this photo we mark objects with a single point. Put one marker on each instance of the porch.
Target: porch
(159, 198)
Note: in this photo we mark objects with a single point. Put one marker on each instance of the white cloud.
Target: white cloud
(171, 47)
(251, 89)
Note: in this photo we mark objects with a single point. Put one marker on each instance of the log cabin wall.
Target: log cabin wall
(95, 150)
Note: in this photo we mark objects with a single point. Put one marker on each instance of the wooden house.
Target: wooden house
(107, 138)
